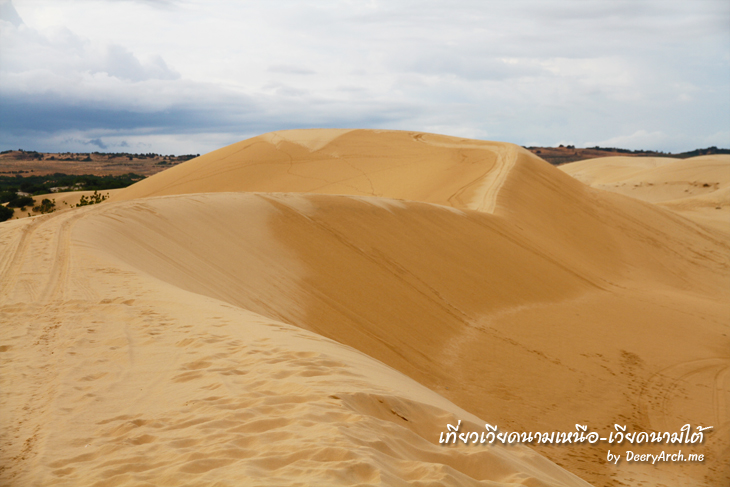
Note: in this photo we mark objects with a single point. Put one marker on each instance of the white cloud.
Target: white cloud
(641, 139)
(289, 69)
(119, 62)
(64, 54)
(512, 70)
(9, 14)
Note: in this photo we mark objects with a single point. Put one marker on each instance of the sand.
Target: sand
(315, 307)
(63, 201)
(697, 188)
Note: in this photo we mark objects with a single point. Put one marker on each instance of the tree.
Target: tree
(7, 196)
(5, 213)
(20, 202)
(46, 206)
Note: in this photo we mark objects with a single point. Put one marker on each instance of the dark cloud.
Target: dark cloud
(53, 113)
(45, 118)
(98, 143)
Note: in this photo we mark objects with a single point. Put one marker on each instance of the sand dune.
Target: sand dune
(422, 167)
(697, 188)
(191, 331)
(113, 378)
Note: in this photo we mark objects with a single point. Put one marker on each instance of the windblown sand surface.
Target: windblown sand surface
(313, 307)
(698, 188)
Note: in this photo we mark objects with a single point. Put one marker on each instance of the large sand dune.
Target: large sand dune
(697, 188)
(422, 167)
(191, 331)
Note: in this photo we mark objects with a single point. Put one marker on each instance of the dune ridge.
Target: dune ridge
(500, 284)
(405, 165)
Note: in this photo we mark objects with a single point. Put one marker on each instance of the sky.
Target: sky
(191, 76)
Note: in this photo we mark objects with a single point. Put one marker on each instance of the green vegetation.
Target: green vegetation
(62, 182)
(623, 151)
(7, 196)
(5, 213)
(46, 206)
(19, 201)
(702, 152)
(26, 155)
(92, 199)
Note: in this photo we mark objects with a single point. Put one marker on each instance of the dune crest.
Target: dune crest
(464, 174)
(312, 139)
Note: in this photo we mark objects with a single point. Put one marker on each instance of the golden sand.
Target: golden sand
(314, 307)
(697, 188)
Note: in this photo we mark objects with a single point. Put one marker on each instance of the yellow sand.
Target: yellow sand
(203, 335)
(697, 188)
(63, 201)
(422, 167)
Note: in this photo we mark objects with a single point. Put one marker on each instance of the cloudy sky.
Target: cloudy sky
(190, 76)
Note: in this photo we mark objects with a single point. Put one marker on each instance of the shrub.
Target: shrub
(92, 199)
(46, 206)
(5, 213)
(7, 196)
(20, 201)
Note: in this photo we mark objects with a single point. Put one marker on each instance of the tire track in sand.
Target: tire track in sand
(11, 266)
(487, 185)
(43, 253)
(495, 179)
(26, 257)
(58, 276)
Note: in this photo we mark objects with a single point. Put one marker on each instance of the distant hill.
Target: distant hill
(563, 154)
(24, 163)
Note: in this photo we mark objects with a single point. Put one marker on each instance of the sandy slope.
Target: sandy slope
(697, 188)
(63, 201)
(111, 377)
(528, 299)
